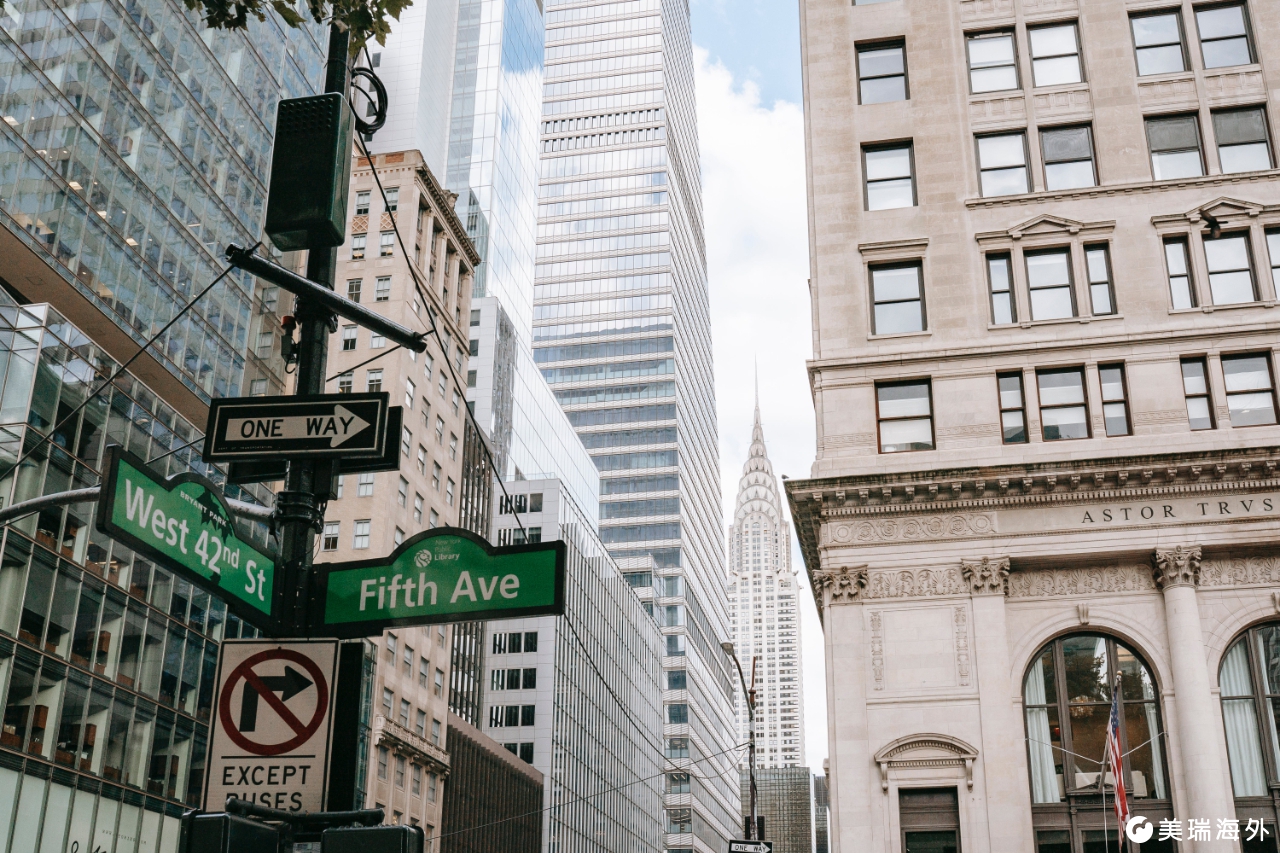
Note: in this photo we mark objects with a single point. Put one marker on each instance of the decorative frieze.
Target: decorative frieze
(1241, 571)
(1178, 566)
(1093, 580)
(922, 527)
(914, 583)
(987, 576)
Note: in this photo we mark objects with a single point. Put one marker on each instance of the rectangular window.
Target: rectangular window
(417, 780)
(392, 198)
(377, 341)
(357, 247)
(473, 346)
(362, 204)
(897, 298)
(475, 317)
(1273, 251)
(1115, 399)
(1013, 408)
(361, 539)
(677, 714)
(530, 641)
(1243, 142)
(1101, 288)
(1175, 147)
(1063, 411)
(453, 446)
(435, 475)
(1002, 164)
(353, 289)
(257, 388)
(348, 338)
(409, 389)
(449, 486)
(1068, 158)
(930, 819)
(433, 520)
(404, 712)
(1158, 42)
(526, 753)
(1000, 273)
(383, 755)
(882, 73)
(438, 685)
(1180, 289)
(417, 508)
(992, 65)
(889, 181)
(1230, 270)
(1055, 55)
(1049, 280)
(677, 783)
(433, 782)
(382, 289)
(364, 485)
(344, 383)
(402, 496)
(1195, 384)
(386, 244)
(330, 536)
(373, 381)
(1224, 36)
(905, 415)
(422, 463)
(389, 697)
(527, 713)
(1251, 398)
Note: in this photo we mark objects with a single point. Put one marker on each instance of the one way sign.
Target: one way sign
(348, 425)
(750, 847)
(272, 723)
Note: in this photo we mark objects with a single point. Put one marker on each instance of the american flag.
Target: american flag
(1115, 759)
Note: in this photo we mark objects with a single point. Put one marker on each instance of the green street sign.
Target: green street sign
(442, 575)
(183, 524)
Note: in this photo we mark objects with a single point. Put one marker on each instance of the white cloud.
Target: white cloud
(753, 193)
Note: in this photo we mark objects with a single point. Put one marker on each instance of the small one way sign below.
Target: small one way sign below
(349, 425)
(750, 847)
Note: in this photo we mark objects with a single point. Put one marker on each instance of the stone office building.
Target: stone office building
(1044, 239)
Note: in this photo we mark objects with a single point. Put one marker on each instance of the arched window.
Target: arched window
(1067, 694)
(1249, 683)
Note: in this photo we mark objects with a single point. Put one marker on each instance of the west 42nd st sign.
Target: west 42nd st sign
(182, 523)
(442, 575)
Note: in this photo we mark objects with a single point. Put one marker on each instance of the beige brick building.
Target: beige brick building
(374, 513)
(1045, 250)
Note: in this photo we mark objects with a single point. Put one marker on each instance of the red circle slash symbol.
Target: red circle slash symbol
(254, 682)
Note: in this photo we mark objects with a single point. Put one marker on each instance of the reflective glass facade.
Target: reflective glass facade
(493, 154)
(135, 143)
(591, 717)
(622, 333)
(106, 660)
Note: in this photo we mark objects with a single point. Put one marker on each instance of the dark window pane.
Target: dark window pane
(1071, 143)
(1170, 134)
(1240, 126)
(932, 842)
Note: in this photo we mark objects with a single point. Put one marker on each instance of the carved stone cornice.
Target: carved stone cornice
(1177, 566)
(1081, 580)
(987, 576)
(842, 585)
(961, 502)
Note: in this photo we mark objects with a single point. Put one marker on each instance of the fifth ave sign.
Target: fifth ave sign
(348, 425)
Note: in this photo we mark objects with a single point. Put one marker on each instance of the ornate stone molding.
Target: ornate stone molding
(926, 750)
(877, 648)
(843, 585)
(987, 576)
(1240, 571)
(1178, 566)
(1041, 583)
(908, 529)
(914, 583)
(962, 645)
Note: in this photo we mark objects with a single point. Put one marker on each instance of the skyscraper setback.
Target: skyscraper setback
(621, 330)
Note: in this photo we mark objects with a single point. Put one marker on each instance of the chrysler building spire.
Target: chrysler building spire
(762, 602)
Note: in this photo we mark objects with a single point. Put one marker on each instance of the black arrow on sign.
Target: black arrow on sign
(288, 685)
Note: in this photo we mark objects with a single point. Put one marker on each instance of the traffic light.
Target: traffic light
(310, 172)
(226, 833)
(372, 839)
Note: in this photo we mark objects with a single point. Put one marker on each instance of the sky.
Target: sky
(751, 131)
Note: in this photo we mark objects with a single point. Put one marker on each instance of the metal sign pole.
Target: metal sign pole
(299, 504)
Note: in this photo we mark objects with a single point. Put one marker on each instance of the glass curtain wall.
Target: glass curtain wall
(106, 660)
(622, 334)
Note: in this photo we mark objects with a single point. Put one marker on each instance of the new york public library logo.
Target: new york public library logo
(1181, 510)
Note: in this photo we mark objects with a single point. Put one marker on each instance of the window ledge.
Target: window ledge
(924, 334)
(1124, 189)
(1209, 309)
(1028, 324)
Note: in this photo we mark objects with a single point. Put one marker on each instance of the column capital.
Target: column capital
(842, 585)
(988, 576)
(1177, 566)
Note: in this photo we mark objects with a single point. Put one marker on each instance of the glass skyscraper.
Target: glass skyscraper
(622, 334)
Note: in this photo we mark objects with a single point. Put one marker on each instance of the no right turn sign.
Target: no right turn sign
(272, 724)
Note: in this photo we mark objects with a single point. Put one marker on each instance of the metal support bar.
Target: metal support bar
(90, 495)
(246, 260)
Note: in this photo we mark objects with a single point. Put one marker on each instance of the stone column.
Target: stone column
(1004, 771)
(1177, 573)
